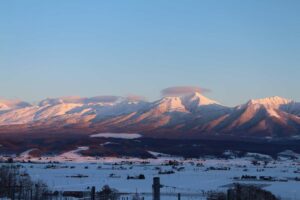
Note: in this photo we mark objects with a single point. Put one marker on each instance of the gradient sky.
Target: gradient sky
(237, 49)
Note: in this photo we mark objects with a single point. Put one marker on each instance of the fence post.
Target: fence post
(13, 192)
(36, 192)
(93, 193)
(179, 196)
(20, 192)
(156, 188)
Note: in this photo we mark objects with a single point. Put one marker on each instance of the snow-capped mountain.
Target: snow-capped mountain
(265, 117)
(195, 100)
(12, 104)
(188, 114)
(271, 102)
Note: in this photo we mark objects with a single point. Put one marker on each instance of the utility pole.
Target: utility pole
(156, 188)
(93, 193)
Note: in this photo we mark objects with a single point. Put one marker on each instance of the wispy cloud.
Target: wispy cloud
(132, 97)
(104, 99)
(76, 99)
(182, 90)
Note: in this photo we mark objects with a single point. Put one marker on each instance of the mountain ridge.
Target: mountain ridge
(191, 113)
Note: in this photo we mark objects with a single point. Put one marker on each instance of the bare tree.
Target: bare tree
(17, 184)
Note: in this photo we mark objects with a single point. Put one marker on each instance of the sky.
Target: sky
(237, 50)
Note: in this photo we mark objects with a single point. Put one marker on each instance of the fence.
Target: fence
(156, 194)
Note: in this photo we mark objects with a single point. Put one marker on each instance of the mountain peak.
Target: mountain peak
(12, 104)
(274, 102)
(195, 100)
(170, 103)
(202, 100)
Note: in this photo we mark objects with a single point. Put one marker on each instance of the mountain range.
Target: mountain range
(191, 115)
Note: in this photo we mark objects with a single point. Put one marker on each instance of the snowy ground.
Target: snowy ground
(117, 135)
(191, 175)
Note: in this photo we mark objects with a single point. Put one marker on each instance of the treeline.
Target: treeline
(243, 192)
(16, 184)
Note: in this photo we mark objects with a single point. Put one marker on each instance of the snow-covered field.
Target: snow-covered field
(117, 135)
(190, 175)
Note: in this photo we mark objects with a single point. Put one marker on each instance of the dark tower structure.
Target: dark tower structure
(156, 188)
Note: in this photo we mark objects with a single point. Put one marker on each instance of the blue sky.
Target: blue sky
(237, 49)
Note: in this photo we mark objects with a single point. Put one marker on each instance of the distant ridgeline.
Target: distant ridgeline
(188, 116)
